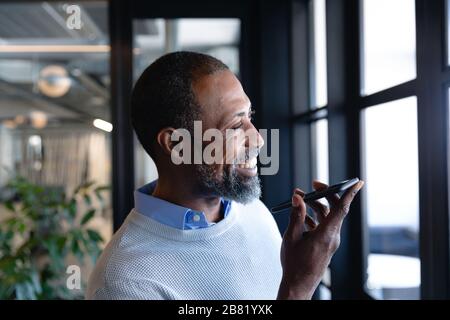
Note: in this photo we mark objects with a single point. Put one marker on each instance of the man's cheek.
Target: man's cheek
(234, 147)
(219, 170)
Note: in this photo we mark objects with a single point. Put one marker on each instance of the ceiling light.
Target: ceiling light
(54, 81)
(103, 125)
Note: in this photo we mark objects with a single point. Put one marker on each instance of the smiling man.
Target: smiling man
(200, 230)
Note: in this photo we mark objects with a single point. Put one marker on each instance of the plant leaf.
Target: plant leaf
(102, 188)
(94, 235)
(75, 246)
(88, 216)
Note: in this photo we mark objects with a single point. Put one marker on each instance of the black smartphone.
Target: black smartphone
(336, 188)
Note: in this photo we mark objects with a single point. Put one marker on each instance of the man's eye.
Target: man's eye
(237, 127)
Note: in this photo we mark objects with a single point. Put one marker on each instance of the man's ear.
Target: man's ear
(164, 140)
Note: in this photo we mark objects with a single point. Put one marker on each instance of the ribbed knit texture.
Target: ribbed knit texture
(237, 258)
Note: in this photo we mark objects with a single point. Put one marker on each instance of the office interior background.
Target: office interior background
(358, 88)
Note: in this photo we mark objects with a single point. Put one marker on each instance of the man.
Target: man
(200, 231)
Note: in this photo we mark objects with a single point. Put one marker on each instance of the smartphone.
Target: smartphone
(337, 188)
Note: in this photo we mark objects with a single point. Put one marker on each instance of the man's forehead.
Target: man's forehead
(221, 94)
(234, 98)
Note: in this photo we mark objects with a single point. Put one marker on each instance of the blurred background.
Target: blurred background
(358, 88)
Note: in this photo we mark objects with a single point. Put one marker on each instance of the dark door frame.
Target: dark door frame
(264, 72)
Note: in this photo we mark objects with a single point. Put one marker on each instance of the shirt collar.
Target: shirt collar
(169, 213)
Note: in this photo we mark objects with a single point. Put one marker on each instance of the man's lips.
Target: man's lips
(248, 168)
(248, 164)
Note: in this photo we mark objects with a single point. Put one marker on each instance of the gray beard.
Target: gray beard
(230, 185)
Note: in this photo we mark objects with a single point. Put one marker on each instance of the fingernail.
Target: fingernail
(295, 201)
(299, 191)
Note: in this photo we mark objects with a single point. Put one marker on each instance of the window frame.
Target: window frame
(432, 75)
(345, 103)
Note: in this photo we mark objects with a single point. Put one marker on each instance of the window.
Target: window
(390, 161)
(389, 43)
(55, 123)
(319, 135)
(155, 37)
(383, 115)
(318, 53)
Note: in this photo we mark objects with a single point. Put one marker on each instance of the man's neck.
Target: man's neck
(183, 196)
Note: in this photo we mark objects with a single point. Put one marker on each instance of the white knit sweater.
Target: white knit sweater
(237, 258)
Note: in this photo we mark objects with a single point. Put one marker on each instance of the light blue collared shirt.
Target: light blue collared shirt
(169, 213)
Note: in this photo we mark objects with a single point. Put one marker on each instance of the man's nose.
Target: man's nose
(255, 140)
(260, 140)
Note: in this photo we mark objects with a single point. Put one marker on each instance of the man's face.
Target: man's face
(226, 107)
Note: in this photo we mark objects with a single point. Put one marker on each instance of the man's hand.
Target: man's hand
(307, 247)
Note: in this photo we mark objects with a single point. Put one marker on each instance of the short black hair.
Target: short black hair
(163, 95)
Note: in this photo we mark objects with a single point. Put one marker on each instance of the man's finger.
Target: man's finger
(346, 201)
(300, 192)
(318, 185)
(297, 218)
(333, 199)
(320, 210)
(308, 220)
(349, 195)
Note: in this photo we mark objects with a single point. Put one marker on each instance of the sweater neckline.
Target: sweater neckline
(169, 232)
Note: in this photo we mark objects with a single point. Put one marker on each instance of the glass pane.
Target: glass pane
(320, 150)
(389, 44)
(155, 37)
(318, 54)
(390, 155)
(55, 124)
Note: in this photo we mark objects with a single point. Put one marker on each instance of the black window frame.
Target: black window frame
(345, 103)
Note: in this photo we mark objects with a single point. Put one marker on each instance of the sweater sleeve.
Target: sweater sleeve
(134, 290)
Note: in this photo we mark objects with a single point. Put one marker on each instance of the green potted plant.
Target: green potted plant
(42, 229)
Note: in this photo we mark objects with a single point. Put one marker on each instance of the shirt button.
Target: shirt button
(196, 218)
